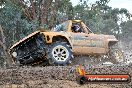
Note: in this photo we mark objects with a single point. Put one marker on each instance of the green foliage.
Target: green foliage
(100, 17)
(12, 23)
(127, 28)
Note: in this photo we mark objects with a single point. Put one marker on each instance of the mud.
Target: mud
(58, 76)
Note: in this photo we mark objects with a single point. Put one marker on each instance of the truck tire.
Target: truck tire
(60, 53)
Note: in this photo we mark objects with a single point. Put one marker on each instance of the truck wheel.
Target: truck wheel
(116, 55)
(60, 53)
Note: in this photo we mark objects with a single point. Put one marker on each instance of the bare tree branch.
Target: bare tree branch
(44, 10)
(25, 10)
(3, 44)
(27, 14)
(2, 34)
(33, 9)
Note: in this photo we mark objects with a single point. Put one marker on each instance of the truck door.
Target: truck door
(86, 44)
(79, 42)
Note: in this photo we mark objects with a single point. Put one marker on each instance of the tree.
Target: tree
(3, 44)
(126, 28)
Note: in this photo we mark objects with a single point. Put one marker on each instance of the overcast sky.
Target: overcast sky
(113, 3)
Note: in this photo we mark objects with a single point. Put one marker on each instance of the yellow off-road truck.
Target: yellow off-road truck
(64, 41)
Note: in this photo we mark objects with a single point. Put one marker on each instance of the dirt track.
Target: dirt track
(57, 77)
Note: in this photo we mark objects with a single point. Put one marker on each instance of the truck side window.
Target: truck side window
(76, 29)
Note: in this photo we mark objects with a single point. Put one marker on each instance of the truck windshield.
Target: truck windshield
(61, 27)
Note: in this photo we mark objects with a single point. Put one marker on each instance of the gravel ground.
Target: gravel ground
(58, 76)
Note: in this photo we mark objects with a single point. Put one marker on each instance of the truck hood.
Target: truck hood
(30, 35)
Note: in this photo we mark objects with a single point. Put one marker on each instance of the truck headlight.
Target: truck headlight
(14, 54)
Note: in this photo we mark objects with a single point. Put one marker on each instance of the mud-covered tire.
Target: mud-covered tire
(60, 53)
(116, 55)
